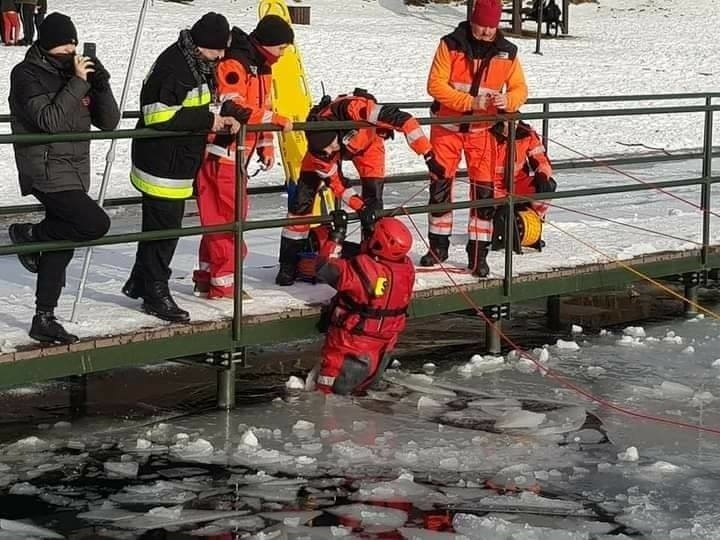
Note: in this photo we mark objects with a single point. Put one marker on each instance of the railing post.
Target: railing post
(706, 189)
(538, 33)
(510, 210)
(545, 124)
(240, 183)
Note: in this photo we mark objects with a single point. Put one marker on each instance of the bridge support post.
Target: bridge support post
(228, 362)
(78, 395)
(495, 314)
(691, 280)
(553, 312)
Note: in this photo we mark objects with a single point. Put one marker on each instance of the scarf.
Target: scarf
(203, 70)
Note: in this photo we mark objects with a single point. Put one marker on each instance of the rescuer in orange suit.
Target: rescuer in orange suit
(365, 147)
(243, 81)
(475, 71)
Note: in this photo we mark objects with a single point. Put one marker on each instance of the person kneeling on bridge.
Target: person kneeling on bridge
(369, 311)
(532, 173)
(365, 147)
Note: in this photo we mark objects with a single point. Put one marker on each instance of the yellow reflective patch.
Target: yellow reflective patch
(381, 286)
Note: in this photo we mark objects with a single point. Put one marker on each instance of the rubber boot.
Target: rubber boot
(289, 251)
(439, 245)
(477, 252)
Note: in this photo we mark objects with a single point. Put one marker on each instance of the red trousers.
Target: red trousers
(216, 203)
(341, 347)
(524, 185)
(11, 27)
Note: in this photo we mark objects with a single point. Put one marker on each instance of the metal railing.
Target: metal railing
(240, 226)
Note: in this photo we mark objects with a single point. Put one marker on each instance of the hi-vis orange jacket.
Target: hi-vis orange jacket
(530, 159)
(244, 87)
(459, 61)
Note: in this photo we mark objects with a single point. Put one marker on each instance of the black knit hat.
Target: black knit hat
(272, 30)
(57, 29)
(319, 140)
(212, 31)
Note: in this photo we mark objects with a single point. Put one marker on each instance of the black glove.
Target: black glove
(338, 226)
(100, 78)
(368, 217)
(544, 183)
(436, 170)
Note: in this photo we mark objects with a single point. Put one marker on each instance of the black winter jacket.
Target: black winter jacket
(44, 99)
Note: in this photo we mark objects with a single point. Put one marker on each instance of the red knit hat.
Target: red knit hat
(487, 13)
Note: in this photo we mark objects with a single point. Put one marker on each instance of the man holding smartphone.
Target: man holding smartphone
(51, 91)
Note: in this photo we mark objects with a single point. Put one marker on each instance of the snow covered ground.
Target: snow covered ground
(387, 48)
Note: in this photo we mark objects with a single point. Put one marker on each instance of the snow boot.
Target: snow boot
(439, 245)
(46, 329)
(159, 303)
(22, 233)
(135, 286)
(290, 250)
(477, 252)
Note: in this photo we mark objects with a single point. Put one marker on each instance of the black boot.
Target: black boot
(159, 303)
(477, 252)
(22, 233)
(135, 285)
(289, 251)
(46, 329)
(439, 245)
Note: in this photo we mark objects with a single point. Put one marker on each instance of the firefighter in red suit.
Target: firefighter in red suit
(365, 147)
(368, 312)
(243, 81)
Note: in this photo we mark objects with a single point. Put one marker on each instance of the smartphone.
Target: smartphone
(89, 50)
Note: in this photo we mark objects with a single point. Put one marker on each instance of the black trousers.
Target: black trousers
(27, 14)
(69, 215)
(152, 262)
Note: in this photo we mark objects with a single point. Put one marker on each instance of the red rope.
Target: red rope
(550, 372)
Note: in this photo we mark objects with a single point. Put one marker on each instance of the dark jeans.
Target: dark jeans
(28, 19)
(152, 262)
(69, 215)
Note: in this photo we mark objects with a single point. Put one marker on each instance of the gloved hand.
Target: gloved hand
(100, 78)
(436, 170)
(338, 225)
(368, 217)
(544, 183)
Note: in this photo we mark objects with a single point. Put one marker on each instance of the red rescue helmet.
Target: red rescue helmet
(390, 239)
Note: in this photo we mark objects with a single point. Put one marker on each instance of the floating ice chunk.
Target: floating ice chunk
(369, 516)
(429, 368)
(604, 332)
(588, 436)
(303, 428)
(429, 403)
(395, 364)
(359, 425)
(165, 512)
(630, 341)
(567, 345)
(285, 494)
(519, 419)
(182, 472)
(542, 354)
(673, 390)
(28, 445)
(516, 476)
(688, 350)
(24, 530)
(295, 383)
(631, 454)
(292, 518)
(351, 451)
(6, 346)
(249, 440)
(185, 517)
(121, 469)
(402, 489)
(62, 425)
(595, 371)
(160, 492)
(425, 534)
(670, 337)
(24, 488)
(576, 329)
(702, 398)
(143, 444)
(495, 528)
(193, 450)
(480, 364)
(305, 460)
(716, 363)
(634, 331)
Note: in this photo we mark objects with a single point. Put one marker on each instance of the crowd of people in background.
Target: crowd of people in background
(20, 19)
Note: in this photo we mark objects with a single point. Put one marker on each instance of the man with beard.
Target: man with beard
(176, 96)
(56, 91)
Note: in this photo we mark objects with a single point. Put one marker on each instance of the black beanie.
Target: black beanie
(319, 140)
(57, 29)
(272, 30)
(212, 31)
